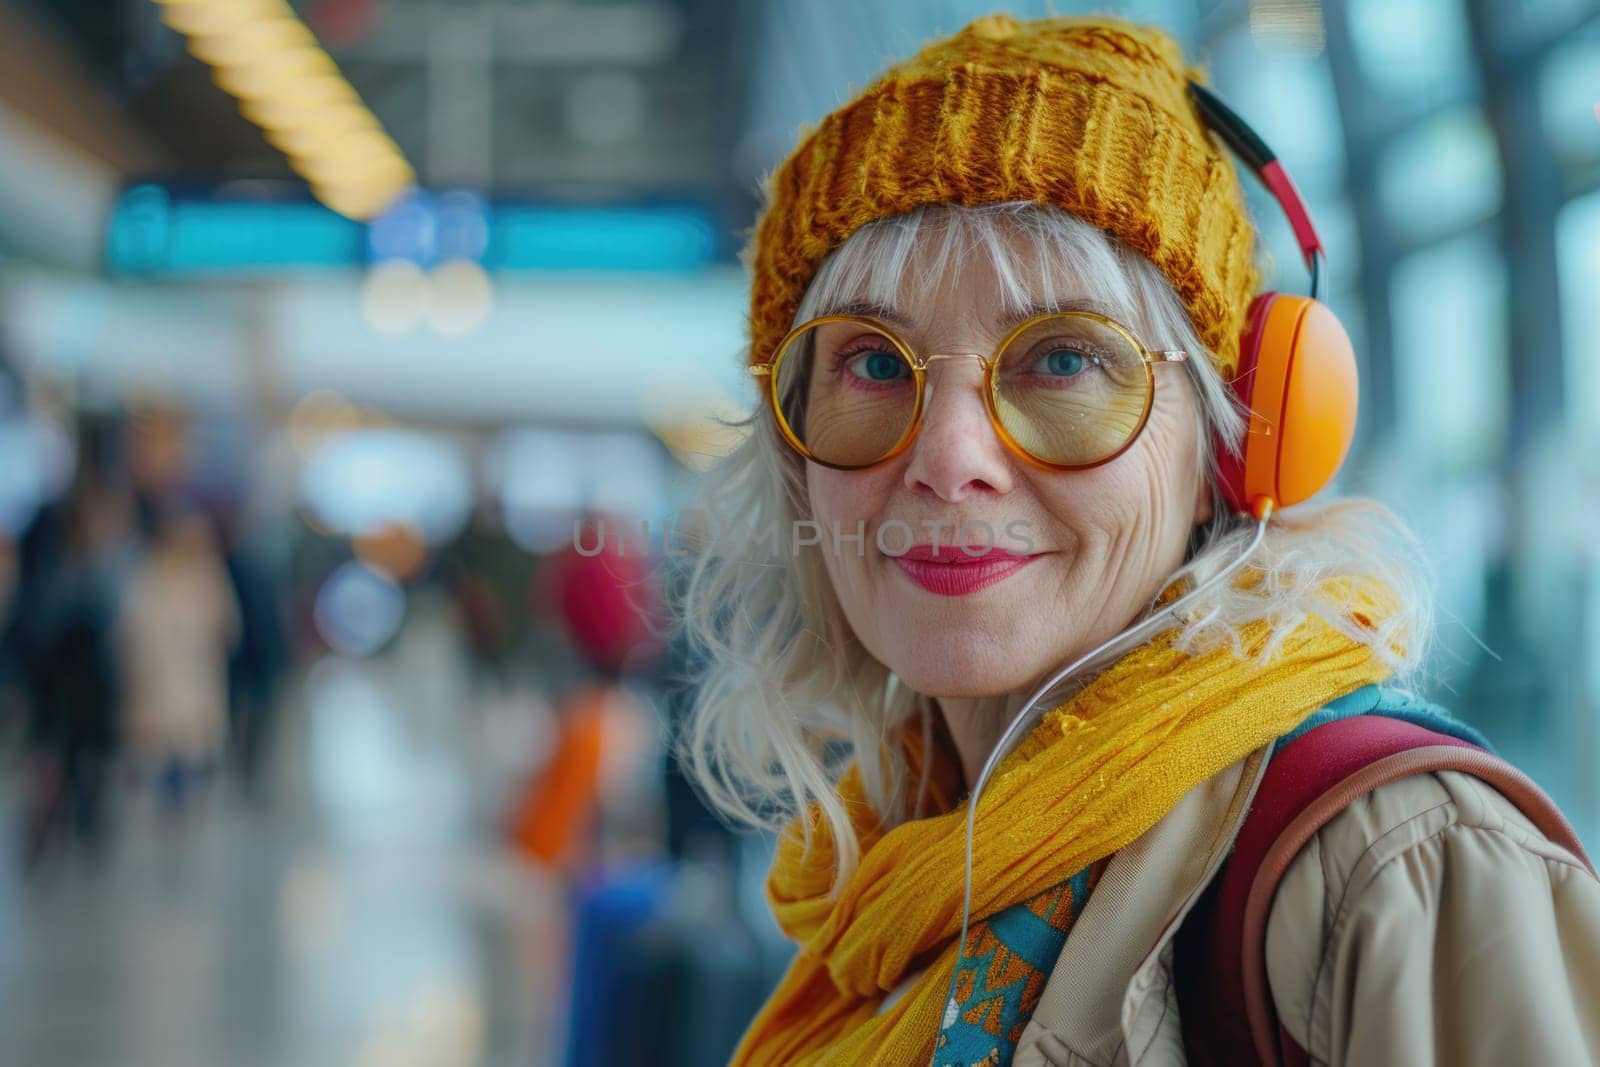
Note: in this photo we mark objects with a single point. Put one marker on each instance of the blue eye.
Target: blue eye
(877, 366)
(1064, 362)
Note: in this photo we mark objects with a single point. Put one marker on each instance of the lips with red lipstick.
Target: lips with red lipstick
(950, 570)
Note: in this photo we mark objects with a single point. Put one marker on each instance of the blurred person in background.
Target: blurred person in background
(8, 577)
(609, 606)
(260, 657)
(656, 924)
(13, 519)
(1053, 198)
(178, 624)
(71, 568)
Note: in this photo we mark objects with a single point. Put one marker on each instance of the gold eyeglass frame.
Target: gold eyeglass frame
(919, 367)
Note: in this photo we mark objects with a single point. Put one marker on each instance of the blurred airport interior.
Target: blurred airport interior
(322, 326)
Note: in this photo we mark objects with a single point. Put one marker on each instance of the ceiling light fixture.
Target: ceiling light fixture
(264, 56)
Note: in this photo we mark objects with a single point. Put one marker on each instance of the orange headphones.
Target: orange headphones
(1297, 369)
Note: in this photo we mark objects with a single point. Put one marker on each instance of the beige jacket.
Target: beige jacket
(1428, 923)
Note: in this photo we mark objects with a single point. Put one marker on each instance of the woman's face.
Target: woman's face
(1099, 543)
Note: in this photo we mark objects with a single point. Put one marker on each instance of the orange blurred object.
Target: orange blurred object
(397, 549)
(556, 815)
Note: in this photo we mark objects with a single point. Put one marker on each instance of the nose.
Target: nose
(957, 452)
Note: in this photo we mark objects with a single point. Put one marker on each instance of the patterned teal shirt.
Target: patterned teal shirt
(1002, 974)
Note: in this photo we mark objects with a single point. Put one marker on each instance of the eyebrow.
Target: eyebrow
(888, 314)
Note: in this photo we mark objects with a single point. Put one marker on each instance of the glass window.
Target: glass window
(1569, 96)
(1538, 18)
(1289, 99)
(1441, 176)
(1416, 49)
(1450, 353)
(1578, 248)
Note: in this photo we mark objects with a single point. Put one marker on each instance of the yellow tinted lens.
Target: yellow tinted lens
(1072, 390)
(846, 391)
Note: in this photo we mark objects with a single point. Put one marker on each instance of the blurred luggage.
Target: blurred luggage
(666, 971)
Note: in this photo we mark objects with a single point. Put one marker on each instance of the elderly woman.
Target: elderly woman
(1004, 314)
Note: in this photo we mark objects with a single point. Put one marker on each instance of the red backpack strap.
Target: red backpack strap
(1307, 783)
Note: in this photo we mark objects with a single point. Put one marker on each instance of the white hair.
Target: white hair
(789, 696)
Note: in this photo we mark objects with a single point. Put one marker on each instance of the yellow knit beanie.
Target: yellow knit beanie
(1090, 114)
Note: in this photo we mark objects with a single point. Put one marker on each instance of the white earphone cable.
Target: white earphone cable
(1024, 720)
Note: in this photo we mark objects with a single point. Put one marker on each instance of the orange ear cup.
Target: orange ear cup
(1297, 375)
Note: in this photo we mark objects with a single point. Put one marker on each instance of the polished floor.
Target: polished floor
(361, 911)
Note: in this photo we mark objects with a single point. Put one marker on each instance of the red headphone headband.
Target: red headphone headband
(1238, 135)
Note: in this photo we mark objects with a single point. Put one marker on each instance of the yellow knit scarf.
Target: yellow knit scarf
(1094, 775)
